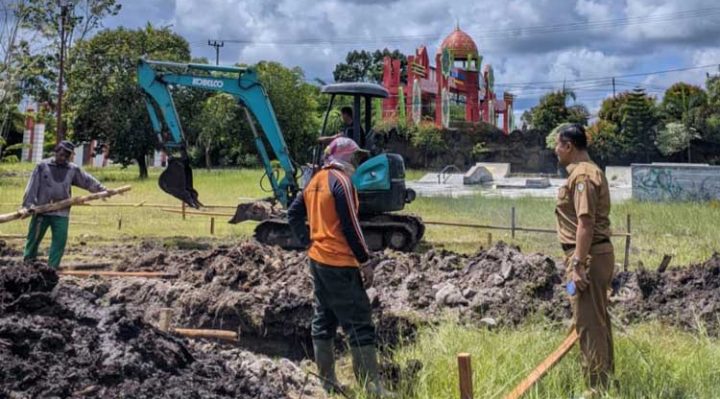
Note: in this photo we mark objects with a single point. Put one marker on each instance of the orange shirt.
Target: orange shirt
(329, 203)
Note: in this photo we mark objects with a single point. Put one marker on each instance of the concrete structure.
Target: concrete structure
(497, 169)
(675, 182)
(33, 139)
(478, 174)
(619, 176)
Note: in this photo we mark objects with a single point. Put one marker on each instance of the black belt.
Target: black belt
(569, 247)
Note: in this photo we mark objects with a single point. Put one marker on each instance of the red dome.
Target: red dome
(461, 45)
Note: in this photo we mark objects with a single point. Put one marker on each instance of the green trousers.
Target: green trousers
(340, 299)
(38, 227)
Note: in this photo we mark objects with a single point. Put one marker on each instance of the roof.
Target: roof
(461, 45)
(355, 88)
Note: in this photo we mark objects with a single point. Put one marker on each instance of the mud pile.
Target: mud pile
(59, 340)
(8, 251)
(266, 293)
(687, 296)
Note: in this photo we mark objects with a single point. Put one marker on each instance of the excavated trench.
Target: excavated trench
(265, 294)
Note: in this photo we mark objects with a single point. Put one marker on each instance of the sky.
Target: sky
(533, 45)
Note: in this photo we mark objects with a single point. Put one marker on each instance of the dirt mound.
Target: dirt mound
(265, 293)
(61, 341)
(685, 296)
(8, 251)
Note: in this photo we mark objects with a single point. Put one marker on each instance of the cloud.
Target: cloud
(526, 41)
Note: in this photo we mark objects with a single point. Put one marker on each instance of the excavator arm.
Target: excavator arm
(240, 83)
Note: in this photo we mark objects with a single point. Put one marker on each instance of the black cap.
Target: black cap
(66, 145)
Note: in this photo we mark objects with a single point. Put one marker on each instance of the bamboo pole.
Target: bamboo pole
(465, 374)
(492, 227)
(55, 206)
(11, 236)
(197, 212)
(545, 366)
(86, 273)
(225, 335)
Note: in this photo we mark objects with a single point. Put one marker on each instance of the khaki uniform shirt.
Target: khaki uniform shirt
(585, 192)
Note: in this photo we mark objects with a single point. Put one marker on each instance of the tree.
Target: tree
(62, 23)
(104, 100)
(680, 99)
(552, 110)
(296, 106)
(216, 122)
(675, 137)
(639, 122)
(366, 66)
(605, 143)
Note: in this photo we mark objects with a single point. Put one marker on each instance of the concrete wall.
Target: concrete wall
(675, 182)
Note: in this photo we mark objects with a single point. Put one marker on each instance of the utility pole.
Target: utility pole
(613, 83)
(217, 45)
(59, 130)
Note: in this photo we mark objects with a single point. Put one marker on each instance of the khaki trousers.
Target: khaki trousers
(592, 320)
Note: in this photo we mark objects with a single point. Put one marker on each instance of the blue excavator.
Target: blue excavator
(380, 179)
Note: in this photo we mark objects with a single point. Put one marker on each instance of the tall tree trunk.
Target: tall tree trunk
(142, 164)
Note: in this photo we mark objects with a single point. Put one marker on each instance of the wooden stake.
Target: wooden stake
(628, 241)
(512, 224)
(212, 226)
(120, 223)
(465, 373)
(490, 240)
(545, 366)
(183, 210)
(665, 263)
(87, 273)
(55, 206)
(164, 323)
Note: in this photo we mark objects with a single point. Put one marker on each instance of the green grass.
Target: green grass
(688, 231)
(652, 361)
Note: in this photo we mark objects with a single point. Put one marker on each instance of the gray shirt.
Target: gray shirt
(51, 182)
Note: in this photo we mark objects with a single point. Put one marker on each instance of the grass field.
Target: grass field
(653, 361)
(688, 231)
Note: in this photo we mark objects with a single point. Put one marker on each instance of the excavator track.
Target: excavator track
(400, 232)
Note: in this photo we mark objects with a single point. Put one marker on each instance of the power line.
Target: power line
(511, 33)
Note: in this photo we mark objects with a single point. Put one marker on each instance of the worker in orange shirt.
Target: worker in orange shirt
(337, 250)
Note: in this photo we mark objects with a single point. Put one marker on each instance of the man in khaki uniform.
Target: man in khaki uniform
(583, 225)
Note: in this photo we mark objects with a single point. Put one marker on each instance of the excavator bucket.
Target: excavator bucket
(177, 181)
(256, 210)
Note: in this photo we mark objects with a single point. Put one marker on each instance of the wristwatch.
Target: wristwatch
(577, 261)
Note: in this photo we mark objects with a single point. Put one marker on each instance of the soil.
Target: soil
(60, 340)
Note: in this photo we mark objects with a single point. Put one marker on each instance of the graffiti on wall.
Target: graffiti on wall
(669, 183)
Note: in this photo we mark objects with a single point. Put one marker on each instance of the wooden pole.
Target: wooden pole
(545, 366)
(164, 322)
(55, 206)
(85, 273)
(513, 222)
(183, 210)
(212, 226)
(490, 240)
(465, 373)
(628, 241)
(490, 227)
(225, 335)
(120, 223)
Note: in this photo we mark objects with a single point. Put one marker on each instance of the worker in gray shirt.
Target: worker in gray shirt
(51, 181)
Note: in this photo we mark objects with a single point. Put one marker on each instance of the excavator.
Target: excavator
(379, 180)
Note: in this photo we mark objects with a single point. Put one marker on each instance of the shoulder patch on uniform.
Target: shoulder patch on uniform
(580, 187)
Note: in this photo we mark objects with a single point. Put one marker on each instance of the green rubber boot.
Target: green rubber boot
(325, 360)
(365, 366)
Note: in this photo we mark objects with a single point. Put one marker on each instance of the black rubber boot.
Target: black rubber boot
(325, 360)
(365, 366)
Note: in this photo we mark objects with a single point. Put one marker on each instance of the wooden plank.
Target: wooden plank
(664, 264)
(56, 206)
(465, 374)
(83, 273)
(85, 266)
(544, 366)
